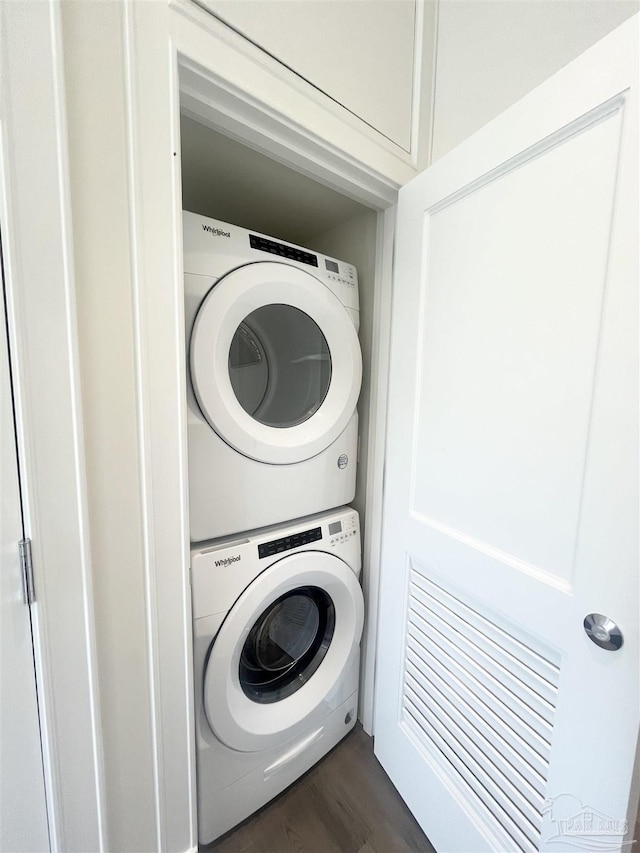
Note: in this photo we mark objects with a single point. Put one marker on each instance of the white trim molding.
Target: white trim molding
(153, 132)
(180, 57)
(422, 77)
(37, 238)
(279, 107)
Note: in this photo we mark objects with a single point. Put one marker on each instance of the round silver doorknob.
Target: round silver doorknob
(603, 631)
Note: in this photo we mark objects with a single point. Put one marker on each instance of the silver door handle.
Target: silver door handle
(603, 631)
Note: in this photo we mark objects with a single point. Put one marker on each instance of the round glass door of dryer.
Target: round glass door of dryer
(282, 650)
(275, 362)
(279, 366)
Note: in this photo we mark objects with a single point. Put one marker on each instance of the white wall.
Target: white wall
(360, 54)
(492, 52)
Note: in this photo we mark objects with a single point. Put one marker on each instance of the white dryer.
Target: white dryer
(274, 370)
(277, 623)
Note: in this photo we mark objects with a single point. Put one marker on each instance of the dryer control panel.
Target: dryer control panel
(283, 250)
(341, 272)
(212, 248)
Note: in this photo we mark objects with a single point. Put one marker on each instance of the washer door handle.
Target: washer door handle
(603, 631)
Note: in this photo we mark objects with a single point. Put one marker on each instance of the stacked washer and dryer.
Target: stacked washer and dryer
(274, 372)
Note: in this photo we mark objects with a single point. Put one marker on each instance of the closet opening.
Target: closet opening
(225, 179)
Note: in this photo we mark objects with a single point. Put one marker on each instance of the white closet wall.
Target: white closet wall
(227, 180)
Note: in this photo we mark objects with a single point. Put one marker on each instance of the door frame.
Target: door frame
(231, 86)
(37, 243)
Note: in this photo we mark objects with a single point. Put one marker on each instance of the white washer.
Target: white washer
(274, 374)
(277, 624)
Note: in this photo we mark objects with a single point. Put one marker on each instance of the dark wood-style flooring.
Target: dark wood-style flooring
(345, 804)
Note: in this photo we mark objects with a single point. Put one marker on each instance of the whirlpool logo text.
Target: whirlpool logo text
(227, 561)
(217, 232)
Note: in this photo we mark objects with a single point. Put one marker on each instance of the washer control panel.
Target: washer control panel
(286, 543)
(224, 567)
(339, 532)
(342, 530)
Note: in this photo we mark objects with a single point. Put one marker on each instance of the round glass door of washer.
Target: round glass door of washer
(286, 644)
(275, 363)
(282, 649)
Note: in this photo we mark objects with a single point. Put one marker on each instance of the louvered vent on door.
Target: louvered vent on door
(483, 700)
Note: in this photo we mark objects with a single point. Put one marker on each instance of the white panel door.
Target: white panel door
(23, 816)
(511, 507)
